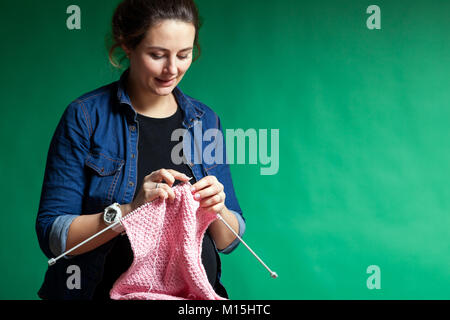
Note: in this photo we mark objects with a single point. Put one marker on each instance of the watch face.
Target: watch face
(110, 215)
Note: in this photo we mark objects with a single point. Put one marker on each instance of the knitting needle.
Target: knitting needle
(272, 273)
(52, 261)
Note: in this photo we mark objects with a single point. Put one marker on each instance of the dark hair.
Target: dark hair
(133, 18)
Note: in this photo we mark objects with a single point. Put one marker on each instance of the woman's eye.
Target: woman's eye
(155, 56)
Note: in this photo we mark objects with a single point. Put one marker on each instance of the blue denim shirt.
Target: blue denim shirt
(92, 163)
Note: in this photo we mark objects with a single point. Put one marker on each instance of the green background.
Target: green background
(364, 141)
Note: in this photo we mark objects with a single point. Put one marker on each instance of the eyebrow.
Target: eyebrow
(164, 49)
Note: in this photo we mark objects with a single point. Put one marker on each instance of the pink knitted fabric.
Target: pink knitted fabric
(166, 239)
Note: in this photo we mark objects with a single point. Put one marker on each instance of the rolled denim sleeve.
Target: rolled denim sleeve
(236, 241)
(59, 232)
(64, 180)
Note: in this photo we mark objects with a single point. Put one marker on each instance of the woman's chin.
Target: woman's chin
(161, 91)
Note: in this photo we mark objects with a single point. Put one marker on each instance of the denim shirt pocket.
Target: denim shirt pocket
(103, 173)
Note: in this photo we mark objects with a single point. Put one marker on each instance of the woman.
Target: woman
(113, 145)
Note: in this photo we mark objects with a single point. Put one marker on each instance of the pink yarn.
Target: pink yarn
(166, 239)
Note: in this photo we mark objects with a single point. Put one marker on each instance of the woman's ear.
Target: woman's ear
(125, 49)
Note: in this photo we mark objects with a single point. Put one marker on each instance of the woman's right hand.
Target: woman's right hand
(158, 184)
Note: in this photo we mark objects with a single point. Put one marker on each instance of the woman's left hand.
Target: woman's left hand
(210, 193)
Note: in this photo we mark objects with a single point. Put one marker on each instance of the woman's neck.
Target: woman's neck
(149, 104)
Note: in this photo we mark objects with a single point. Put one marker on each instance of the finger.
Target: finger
(162, 175)
(151, 195)
(208, 191)
(213, 200)
(217, 208)
(161, 193)
(178, 175)
(169, 176)
(169, 191)
(203, 183)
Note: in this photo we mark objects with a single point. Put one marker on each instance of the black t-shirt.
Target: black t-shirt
(154, 153)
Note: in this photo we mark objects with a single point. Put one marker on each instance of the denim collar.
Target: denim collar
(191, 112)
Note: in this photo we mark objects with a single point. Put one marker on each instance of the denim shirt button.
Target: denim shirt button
(133, 128)
(131, 183)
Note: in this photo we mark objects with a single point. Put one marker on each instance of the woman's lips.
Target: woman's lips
(165, 83)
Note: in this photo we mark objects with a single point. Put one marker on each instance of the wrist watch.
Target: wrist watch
(113, 214)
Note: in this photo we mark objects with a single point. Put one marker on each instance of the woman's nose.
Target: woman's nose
(171, 66)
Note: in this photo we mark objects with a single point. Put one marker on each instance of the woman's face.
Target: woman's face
(162, 58)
